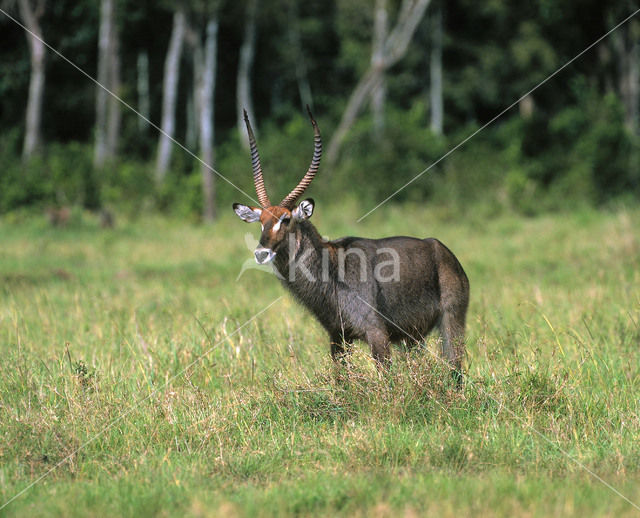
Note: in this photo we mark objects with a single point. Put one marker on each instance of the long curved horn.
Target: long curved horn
(255, 164)
(293, 196)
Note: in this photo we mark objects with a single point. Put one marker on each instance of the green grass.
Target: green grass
(103, 332)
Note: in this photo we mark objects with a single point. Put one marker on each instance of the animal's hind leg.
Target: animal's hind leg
(453, 345)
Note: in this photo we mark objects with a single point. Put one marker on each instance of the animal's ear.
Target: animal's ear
(248, 214)
(304, 210)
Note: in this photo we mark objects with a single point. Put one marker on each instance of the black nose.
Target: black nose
(261, 255)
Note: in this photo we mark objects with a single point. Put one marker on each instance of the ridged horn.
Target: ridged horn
(255, 164)
(292, 197)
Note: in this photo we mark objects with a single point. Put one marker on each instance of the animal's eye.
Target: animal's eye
(286, 220)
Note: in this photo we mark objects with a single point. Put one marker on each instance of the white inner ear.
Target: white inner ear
(248, 214)
(304, 210)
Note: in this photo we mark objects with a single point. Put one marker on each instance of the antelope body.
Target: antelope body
(377, 290)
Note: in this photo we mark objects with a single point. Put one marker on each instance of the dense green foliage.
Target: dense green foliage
(131, 356)
(575, 147)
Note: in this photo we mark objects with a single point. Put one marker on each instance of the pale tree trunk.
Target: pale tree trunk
(104, 35)
(108, 113)
(243, 88)
(395, 47)
(114, 114)
(142, 83)
(526, 106)
(200, 112)
(379, 92)
(206, 117)
(31, 15)
(169, 94)
(435, 67)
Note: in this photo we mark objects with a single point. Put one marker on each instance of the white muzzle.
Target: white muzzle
(264, 255)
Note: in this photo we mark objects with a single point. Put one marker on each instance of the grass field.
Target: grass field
(135, 368)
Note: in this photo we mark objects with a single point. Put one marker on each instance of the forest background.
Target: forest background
(394, 86)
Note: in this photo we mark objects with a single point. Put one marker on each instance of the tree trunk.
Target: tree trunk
(206, 116)
(435, 76)
(144, 103)
(526, 106)
(395, 47)
(363, 89)
(169, 94)
(247, 52)
(108, 113)
(31, 17)
(114, 113)
(104, 35)
(379, 92)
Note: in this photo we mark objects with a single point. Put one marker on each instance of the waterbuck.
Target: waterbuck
(377, 290)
